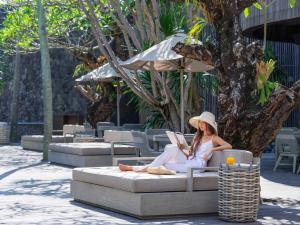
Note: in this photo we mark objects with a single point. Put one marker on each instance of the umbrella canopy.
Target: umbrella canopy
(105, 73)
(161, 57)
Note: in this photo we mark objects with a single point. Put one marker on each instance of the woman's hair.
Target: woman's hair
(198, 137)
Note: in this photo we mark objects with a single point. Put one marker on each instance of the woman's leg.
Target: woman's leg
(183, 167)
(171, 155)
(124, 167)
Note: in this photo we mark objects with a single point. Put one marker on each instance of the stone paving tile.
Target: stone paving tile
(32, 192)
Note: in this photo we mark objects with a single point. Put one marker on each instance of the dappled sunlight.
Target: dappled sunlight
(57, 188)
(279, 185)
(286, 213)
(99, 83)
(39, 193)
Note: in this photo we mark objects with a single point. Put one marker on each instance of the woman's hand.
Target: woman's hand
(180, 146)
(185, 151)
(206, 155)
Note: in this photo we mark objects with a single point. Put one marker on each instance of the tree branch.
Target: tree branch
(129, 29)
(254, 52)
(203, 52)
(149, 20)
(107, 51)
(156, 19)
(87, 92)
(281, 103)
(140, 20)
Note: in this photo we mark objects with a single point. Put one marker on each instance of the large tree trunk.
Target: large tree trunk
(242, 121)
(101, 105)
(46, 80)
(100, 111)
(14, 102)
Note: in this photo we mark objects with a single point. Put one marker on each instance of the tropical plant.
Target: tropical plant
(149, 23)
(278, 72)
(264, 86)
(202, 83)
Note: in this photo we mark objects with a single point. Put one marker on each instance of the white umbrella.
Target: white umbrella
(161, 57)
(105, 73)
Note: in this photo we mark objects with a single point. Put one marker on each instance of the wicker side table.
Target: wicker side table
(239, 191)
(4, 133)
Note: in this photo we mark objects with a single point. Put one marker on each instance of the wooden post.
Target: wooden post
(46, 80)
(181, 98)
(118, 102)
(14, 102)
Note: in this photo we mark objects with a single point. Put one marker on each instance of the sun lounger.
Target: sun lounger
(86, 154)
(144, 195)
(35, 142)
(133, 126)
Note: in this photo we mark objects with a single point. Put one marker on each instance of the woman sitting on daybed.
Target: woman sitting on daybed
(176, 158)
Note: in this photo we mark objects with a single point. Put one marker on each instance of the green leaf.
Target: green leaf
(292, 3)
(262, 97)
(196, 29)
(246, 12)
(257, 5)
(268, 89)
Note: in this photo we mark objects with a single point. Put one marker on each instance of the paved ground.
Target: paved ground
(32, 192)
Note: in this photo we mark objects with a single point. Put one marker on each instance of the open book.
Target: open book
(177, 138)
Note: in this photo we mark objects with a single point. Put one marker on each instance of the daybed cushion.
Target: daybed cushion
(39, 138)
(143, 182)
(117, 135)
(92, 148)
(71, 129)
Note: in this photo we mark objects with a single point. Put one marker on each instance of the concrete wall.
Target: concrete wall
(66, 100)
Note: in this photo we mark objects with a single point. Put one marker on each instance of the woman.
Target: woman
(179, 159)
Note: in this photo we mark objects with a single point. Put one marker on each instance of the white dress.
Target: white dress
(173, 158)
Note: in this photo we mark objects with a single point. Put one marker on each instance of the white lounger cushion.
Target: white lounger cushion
(39, 138)
(143, 182)
(92, 148)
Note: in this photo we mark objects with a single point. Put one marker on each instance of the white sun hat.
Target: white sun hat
(207, 117)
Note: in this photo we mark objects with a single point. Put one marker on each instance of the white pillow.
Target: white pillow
(161, 170)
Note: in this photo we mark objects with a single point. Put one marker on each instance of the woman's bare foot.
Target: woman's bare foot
(142, 170)
(124, 167)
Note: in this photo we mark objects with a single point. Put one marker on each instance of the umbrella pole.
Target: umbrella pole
(181, 102)
(118, 103)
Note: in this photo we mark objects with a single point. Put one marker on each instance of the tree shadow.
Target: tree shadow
(56, 188)
(269, 213)
(8, 173)
(284, 212)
